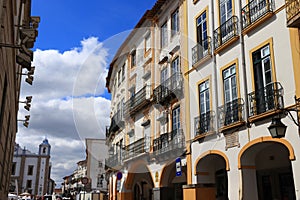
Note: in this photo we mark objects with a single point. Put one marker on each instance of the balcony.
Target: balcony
(255, 12)
(265, 100)
(201, 51)
(172, 143)
(117, 122)
(231, 114)
(292, 13)
(170, 89)
(113, 161)
(135, 149)
(226, 34)
(138, 101)
(204, 124)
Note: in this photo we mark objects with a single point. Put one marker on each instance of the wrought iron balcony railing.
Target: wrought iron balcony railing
(117, 122)
(139, 100)
(231, 112)
(134, 149)
(204, 123)
(226, 31)
(113, 160)
(201, 50)
(170, 89)
(293, 13)
(255, 10)
(169, 142)
(266, 99)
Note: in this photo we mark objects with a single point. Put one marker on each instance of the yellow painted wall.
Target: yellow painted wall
(295, 48)
(199, 193)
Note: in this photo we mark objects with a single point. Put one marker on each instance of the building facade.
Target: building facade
(146, 137)
(242, 75)
(96, 150)
(210, 132)
(31, 171)
(16, 21)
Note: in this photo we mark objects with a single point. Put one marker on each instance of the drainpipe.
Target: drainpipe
(243, 67)
(214, 65)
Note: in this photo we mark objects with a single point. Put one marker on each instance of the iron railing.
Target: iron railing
(226, 31)
(117, 121)
(204, 123)
(255, 10)
(113, 160)
(169, 89)
(140, 99)
(201, 50)
(134, 149)
(265, 99)
(292, 12)
(169, 142)
(231, 112)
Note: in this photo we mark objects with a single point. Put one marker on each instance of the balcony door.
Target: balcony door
(225, 7)
(202, 35)
(230, 95)
(176, 125)
(264, 91)
(204, 123)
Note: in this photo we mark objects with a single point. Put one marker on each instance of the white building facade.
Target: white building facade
(30, 171)
(241, 77)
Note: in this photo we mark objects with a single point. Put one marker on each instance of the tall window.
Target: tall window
(204, 97)
(164, 34)
(13, 170)
(175, 66)
(30, 170)
(123, 72)
(147, 42)
(230, 95)
(175, 22)
(163, 75)
(176, 119)
(119, 77)
(202, 31)
(29, 184)
(100, 165)
(204, 120)
(230, 87)
(133, 58)
(225, 10)
(264, 91)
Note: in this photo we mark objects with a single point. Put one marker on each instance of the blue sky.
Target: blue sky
(75, 44)
(64, 23)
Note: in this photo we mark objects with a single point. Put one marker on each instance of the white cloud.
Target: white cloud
(67, 105)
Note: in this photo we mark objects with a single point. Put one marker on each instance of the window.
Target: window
(13, 170)
(123, 72)
(44, 149)
(133, 58)
(204, 98)
(119, 77)
(164, 35)
(264, 89)
(30, 170)
(202, 31)
(163, 75)
(225, 10)
(147, 43)
(230, 95)
(176, 118)
(100, 165)
(175, 66)
(175, 22)
(29, 184)
(100, 180)
(230, 87)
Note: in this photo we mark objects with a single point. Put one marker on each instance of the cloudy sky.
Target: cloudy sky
(73, 50)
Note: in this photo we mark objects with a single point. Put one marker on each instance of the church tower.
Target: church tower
(44, 148)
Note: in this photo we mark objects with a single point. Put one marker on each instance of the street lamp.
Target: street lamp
(277, 129)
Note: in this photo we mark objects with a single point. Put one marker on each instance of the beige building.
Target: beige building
(17, 35)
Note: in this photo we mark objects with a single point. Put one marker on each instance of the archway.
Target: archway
(170, 184)
(139, 181)
(267, 171)
(211, 171)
